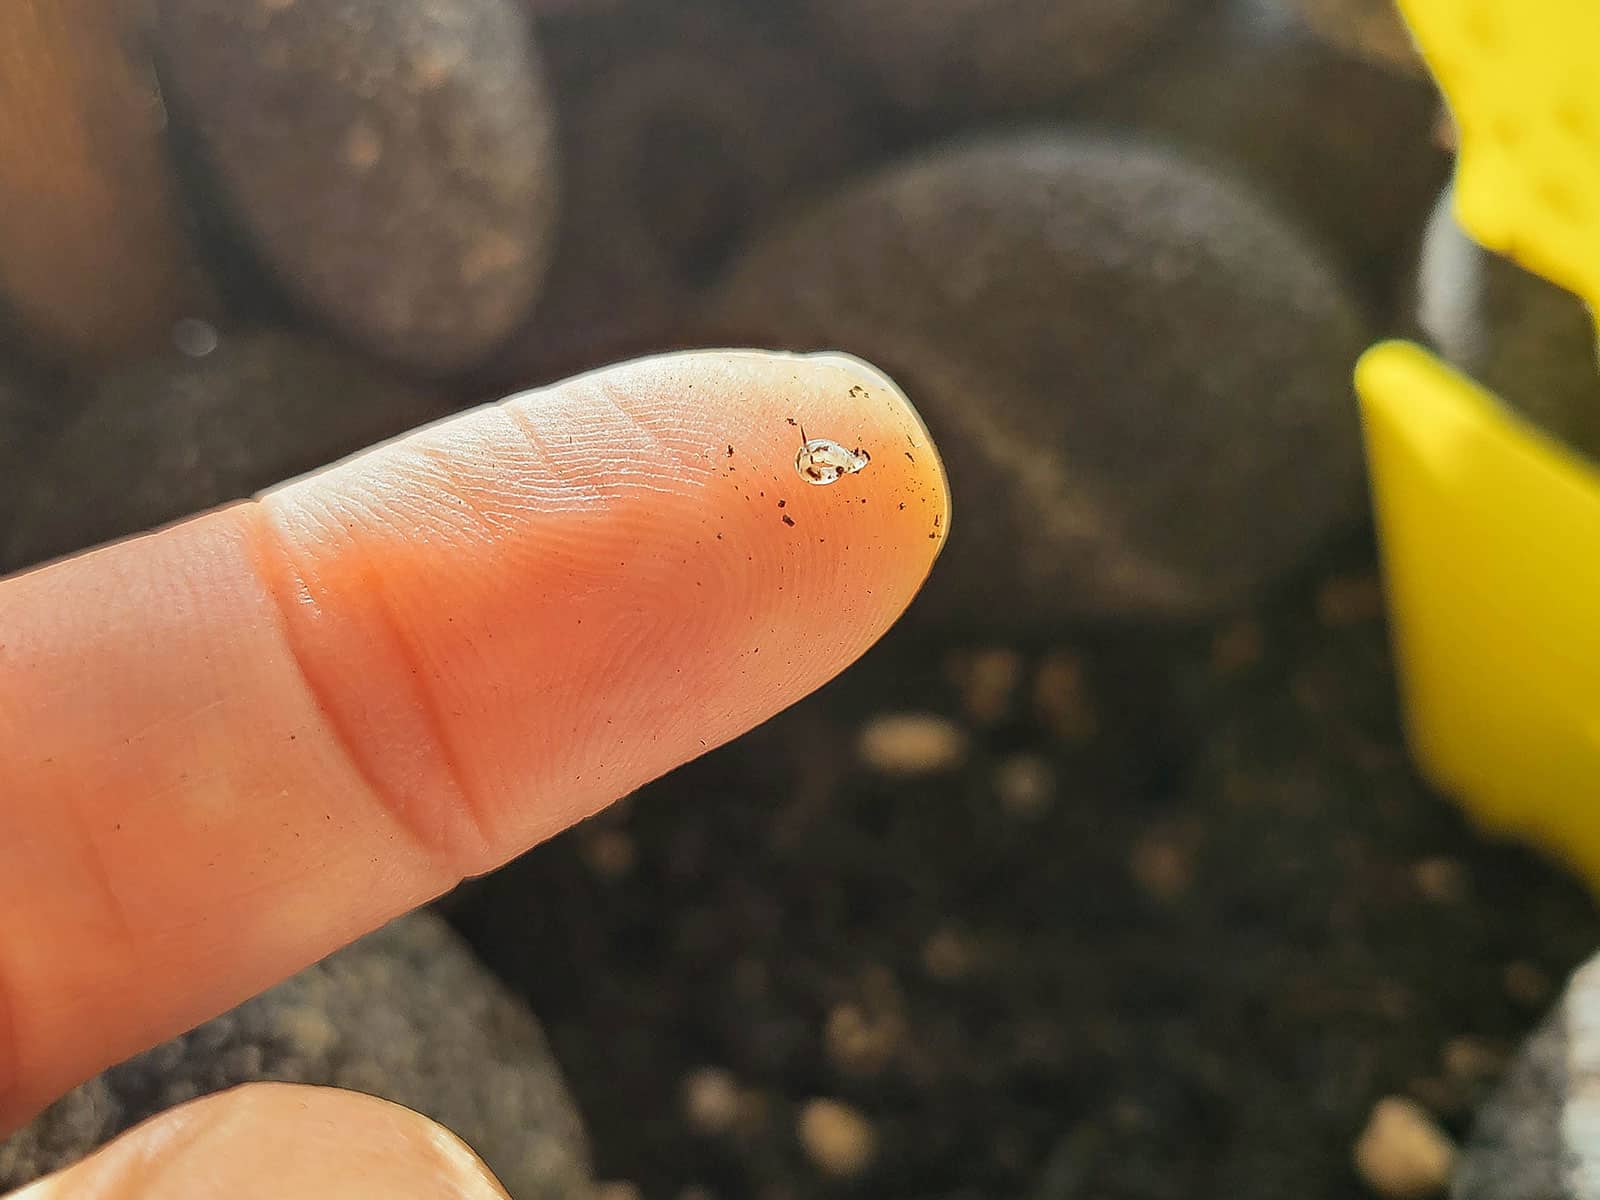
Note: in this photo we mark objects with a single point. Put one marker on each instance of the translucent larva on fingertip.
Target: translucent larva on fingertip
(822, 461)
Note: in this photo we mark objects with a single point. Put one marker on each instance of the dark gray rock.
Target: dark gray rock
(1139, 377)
(1341, 145)
(683, 126)
(407, 1014)
(1371, 28)
(953, 56)
(391, 161)
(26, 415)
(1538, 1136)
(1524, 338)
(178, 435)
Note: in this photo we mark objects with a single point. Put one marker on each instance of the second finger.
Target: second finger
(267, 1141)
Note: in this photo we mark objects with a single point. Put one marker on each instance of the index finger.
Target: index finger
(235, 745)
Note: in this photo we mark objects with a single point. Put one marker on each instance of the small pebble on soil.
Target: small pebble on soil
(836, 1137)
(1402, 1154)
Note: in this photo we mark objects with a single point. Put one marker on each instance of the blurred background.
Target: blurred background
(1106, 874)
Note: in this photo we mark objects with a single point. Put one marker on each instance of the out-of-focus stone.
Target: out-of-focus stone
(95, 259)
(988, 681)
(392, 162)
(1138, 375)
(836, 1137)
(1373, 29)
(26, 417)
(955, 56)
(711, 1100)
(407, 1014)
(1536, 1137)
(1341, 146)
(1402, 1153)
(682, 126)
(862, 1040)
(912, 744)
(177, 435)
(1527, 340)
(1026, 786)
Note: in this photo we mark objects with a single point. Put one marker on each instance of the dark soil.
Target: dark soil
(1236, 922)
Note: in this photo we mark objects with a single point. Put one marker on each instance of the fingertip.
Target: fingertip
(876, 379)
(940, 482)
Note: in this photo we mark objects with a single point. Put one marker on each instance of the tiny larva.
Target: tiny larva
(822, 461)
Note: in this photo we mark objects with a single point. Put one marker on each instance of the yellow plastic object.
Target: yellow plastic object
(1490, 531)
(1491, 541)
(1523, 81)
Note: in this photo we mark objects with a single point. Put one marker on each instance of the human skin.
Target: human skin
(234, 745)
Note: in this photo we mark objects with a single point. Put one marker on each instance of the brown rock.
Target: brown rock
(988, 681)
(862, 1041)
(836, 1137)
(391, 161)
(176, 435)
(1402, 1153)
(1026, 786)
(1340, 145)
(681, 125)
(912, 744)
(1062, 699)
(958, 55)
(1138, 376)
(85, 185)
(711, 1100)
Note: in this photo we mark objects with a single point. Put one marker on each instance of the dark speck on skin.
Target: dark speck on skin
(787, 519)
(782, 503)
